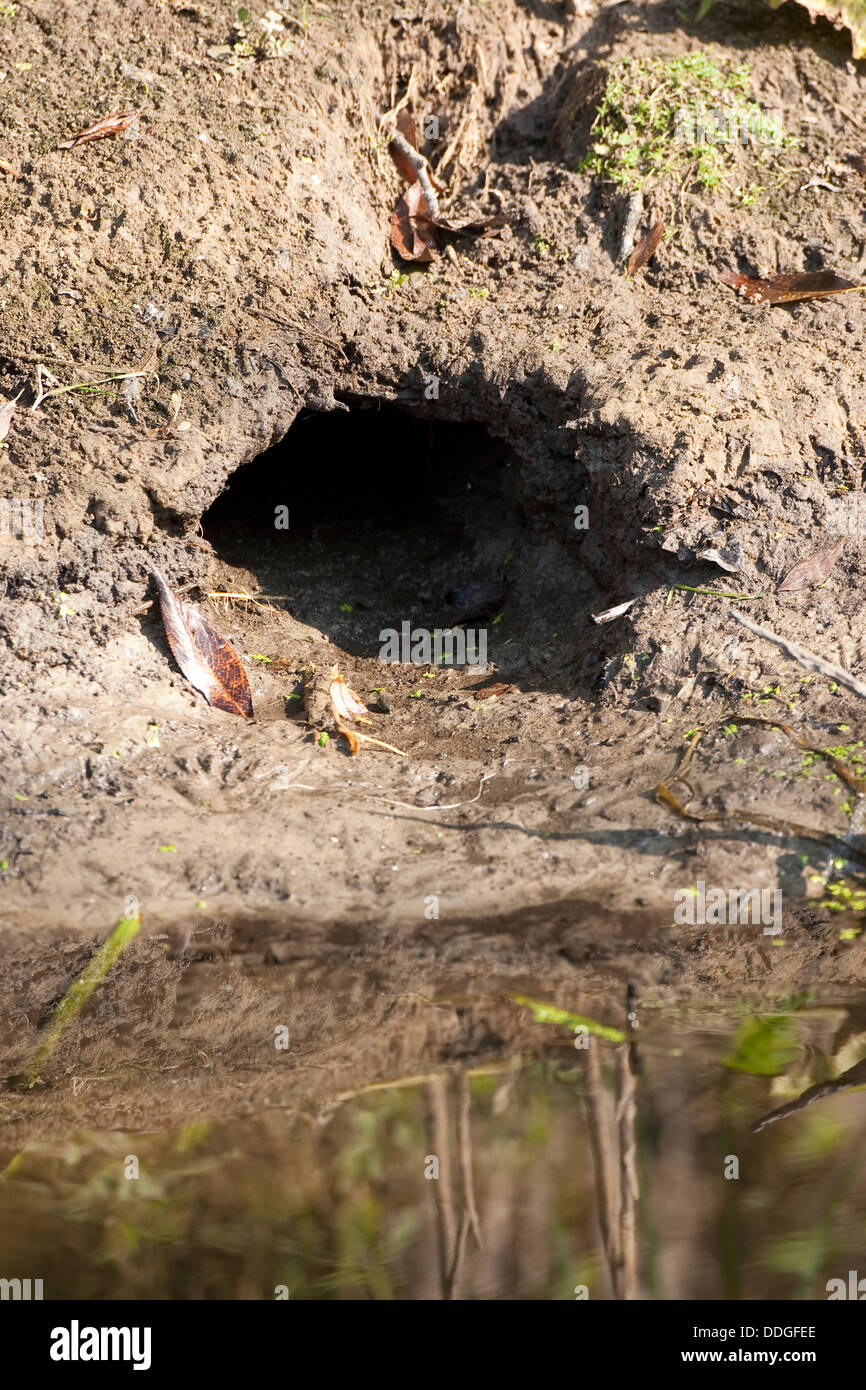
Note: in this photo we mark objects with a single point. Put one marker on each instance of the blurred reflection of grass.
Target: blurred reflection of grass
(338, 1206)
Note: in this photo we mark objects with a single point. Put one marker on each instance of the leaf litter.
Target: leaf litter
(209, 662)
(789, 289)
(108, 125)
(646, 248)
(418, 231)
(813, 570)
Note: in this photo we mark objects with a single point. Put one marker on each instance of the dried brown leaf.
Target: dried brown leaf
(109, 125)
(789, 289)
(646, 248)
(813, 570)
(208, 661)
(405, 123)
(418, 236)
(413, 235)
(491, 692)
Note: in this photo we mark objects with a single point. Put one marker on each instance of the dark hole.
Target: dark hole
(391, 518)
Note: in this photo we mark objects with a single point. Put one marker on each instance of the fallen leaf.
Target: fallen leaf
(208, 661)
(646, 248)
(813, 570)
(109, 125)
(7, 410)
(418, 236)
(788, 289)
(608, 615)
(731, 558)
(413, 234)
(405, 123)
(346, 703)
(490, 692)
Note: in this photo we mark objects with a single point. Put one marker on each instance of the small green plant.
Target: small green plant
(673, 118)
(396, 279)
(748, 195)
(254, 36)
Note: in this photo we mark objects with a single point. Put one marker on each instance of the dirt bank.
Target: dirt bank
(433, 433)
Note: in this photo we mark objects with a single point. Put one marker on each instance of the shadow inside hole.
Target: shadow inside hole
(391, 518)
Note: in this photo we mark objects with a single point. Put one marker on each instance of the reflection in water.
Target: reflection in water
(629, 1171)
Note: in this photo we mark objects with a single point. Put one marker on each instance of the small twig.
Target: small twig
(464, 1139)
(666, 797)
(250, 598)
(356, 739)
(42, 372)
(852, 1079)
(409, 806)
(802, 656)
(713, 593)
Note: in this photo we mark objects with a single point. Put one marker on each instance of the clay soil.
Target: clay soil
(432, 431)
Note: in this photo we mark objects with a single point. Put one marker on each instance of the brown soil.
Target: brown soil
(238, 244)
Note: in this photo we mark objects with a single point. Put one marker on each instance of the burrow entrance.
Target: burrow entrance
(372, 516)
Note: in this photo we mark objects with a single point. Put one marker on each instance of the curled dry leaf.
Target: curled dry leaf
(416, 235)
(608, 614)
(813, 570)
(109, 125)
(208, 661)
(413, 235)
(789, 289)
(646, 248)
(7, 410)
(347, 704)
